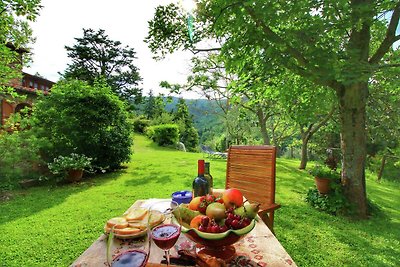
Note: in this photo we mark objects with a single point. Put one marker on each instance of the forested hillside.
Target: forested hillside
(206, 116)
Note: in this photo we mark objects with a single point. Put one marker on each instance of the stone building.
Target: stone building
(29, 86)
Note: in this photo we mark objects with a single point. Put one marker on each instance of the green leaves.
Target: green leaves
(95, 56)
(83, 119)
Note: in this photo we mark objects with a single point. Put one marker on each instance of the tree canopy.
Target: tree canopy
(15, 33)
(338, 45)
(95, 55)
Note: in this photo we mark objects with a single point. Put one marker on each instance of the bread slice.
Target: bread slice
(117, 223)
(127, 231)
(142, 225)
(156, 218)
(136, 214)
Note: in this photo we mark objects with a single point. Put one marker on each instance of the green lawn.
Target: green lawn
(52, 226)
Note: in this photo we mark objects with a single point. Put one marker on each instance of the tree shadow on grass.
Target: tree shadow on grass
(150, 178)
(299, 181)
(366, 240)
(26, 202)
(155, 146)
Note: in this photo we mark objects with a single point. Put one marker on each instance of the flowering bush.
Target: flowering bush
(72, 162)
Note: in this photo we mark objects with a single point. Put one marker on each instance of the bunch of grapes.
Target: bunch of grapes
(210, 226)
(235, 221)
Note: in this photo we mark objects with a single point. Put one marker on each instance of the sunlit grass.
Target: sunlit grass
(52, 226)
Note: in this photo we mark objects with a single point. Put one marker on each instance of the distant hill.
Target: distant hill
(205, 115)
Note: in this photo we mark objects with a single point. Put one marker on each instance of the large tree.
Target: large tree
(15, 34)
(336, 44)
(95, 55)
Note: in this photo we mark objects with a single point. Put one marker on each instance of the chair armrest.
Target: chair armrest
(270, 208)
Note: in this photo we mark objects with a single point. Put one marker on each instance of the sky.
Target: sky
(61, 21)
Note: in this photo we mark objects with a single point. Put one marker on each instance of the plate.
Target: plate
(132, 236)
(157, 220)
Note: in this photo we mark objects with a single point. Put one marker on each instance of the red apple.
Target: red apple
(233, 198)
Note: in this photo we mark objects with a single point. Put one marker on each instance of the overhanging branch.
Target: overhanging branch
(388, 66)
(303, 63)
(390, 37)
(198, 50)
(275, 38)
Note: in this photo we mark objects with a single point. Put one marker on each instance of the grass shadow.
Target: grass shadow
(26, 202)
(152, 177)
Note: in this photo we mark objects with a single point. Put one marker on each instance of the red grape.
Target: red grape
(215, 229)
(223, 228)
(228, 222)
(202, 228)
(246, 221)
(205, 220)
(235, 224)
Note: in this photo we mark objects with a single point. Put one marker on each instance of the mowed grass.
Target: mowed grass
(53, 225)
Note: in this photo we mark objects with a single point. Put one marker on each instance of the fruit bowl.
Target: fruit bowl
(217, 244)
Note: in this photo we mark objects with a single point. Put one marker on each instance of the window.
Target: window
(30, 84)
(35, 85)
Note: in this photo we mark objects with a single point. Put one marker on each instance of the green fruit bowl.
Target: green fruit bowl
(217, 239)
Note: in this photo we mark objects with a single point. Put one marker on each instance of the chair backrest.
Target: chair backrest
(251, 169)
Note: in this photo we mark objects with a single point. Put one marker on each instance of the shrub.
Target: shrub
(140, 124)
(190, 138)
(150, 132)
(164, 134)
(83, 119)
(19, 157)
(163, 118)
(332, 203)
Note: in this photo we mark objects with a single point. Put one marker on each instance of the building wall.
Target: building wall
(29, 85)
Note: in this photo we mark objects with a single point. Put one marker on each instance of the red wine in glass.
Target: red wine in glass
(130, 258)
(165, 235)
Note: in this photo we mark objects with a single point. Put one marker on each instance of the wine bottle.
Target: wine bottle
(200, 183)
(208, 177)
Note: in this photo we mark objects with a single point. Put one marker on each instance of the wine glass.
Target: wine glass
(128, 250)
(166, 234)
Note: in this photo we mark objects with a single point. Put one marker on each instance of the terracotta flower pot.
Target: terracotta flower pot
(74, 175)
(323, 185)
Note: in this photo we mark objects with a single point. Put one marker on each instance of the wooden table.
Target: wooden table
(258, 248)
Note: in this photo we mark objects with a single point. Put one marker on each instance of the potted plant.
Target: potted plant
(71, 167)
(323, 177)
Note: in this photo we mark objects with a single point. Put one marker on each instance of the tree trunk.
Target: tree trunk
(304, 154)
(352, 102)
(263, 127)
(382, 167)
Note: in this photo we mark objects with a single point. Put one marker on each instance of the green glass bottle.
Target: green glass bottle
(208, 177)
(200, 183)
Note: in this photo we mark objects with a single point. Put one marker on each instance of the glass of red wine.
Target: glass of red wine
(128, 251)
(166, 234)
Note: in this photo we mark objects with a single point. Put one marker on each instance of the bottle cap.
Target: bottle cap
(182, 196)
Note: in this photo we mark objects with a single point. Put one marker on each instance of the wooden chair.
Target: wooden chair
(251, 169)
